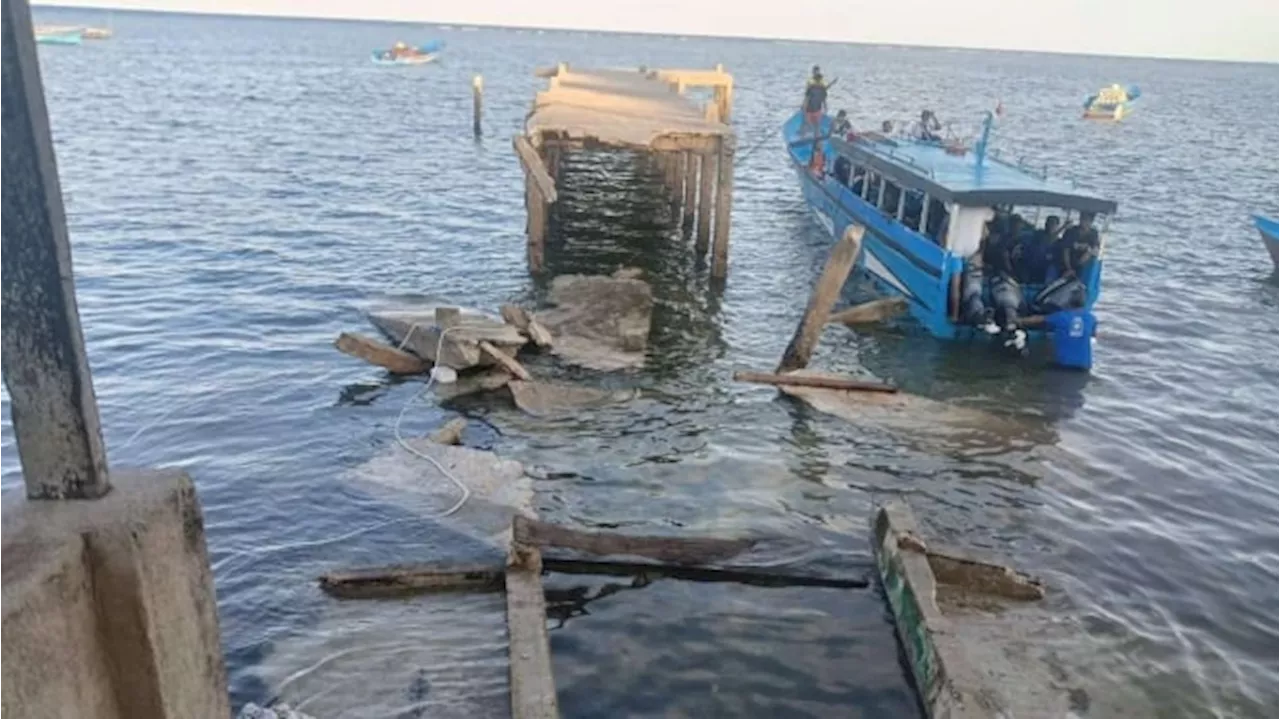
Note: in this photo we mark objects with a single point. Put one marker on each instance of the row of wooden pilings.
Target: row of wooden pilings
(699, 186)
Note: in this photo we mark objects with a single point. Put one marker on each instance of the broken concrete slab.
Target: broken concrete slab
(524, 321)
(898, 411)
(543, 399)
(415, 329)
(484, 380)
(498, 488)
(600, 322)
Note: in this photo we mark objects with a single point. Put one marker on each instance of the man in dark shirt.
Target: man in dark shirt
(1034, 254)
(1078, 247)
(815, 102)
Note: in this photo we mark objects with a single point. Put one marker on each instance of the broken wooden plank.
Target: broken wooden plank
(415, 329)
(535, 169)
(674, 550)
(825, 293)
(754, 576)
(873, 311)
(506, 361)
(407, 579)
(450, 433)
(383, 355)
(400, 581)
(533, 687)
(824, 382)
(524, 321)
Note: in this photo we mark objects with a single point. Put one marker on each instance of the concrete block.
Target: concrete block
(54, 663)
(152, 589)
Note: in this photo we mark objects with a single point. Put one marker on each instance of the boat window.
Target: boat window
(937, 222)
(858, 179)
(890, 199)
(913, 204)
(871, 188)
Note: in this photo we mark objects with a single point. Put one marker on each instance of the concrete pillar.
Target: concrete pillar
(690, 187)
(55, 413)
(724, 206)
(706, 202)
(111, 605)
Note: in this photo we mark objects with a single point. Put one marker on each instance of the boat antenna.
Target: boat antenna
(981, 149)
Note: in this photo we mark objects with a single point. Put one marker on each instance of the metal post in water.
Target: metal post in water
(54, 410)
(477, 104)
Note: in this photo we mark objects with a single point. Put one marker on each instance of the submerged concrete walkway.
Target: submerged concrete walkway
(639, 111)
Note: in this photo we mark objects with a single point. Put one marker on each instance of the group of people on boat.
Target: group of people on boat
(1014, 253)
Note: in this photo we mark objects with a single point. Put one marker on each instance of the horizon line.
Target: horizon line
(645, 33)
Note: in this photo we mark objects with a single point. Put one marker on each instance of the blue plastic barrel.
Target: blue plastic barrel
(1071, 332)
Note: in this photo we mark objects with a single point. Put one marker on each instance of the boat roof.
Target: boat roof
(957, 178)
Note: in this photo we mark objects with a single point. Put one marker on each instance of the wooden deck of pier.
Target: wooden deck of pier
(638, 111)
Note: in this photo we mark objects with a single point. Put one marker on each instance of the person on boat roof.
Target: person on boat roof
(815, 101)
(929, 126)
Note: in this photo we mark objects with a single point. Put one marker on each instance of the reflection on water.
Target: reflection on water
(241, 190)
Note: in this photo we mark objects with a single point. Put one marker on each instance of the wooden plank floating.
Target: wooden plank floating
(385, 356)
(824, 297)
(533, 687)
(674, 550)
(401, 581)
(753, 576)
(506, 361)
(800, 380)
(873, 311)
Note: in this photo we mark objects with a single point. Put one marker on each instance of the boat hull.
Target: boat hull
(895, 259)
(408, 60)
(1267, 229)
(1114, 114)
(59, 39)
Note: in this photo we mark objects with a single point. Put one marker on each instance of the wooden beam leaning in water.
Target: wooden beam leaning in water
(796, 380)
(873, 311)
(534, 167)
(374, 352)
(675, 550)
(46, 368)
(724, 207)
(533, 687)
(825, 293)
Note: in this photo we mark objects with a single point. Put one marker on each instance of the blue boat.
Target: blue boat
(403, 54)
(59, 36)
(925, 207)
(1267, 228)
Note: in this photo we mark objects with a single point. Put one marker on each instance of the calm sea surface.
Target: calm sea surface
(239, 191)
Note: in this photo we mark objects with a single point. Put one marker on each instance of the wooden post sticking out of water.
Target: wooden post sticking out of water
(690, 187)
(825, 294)
(46, 369)
(477, 104)
(706, 204)
(724, 204)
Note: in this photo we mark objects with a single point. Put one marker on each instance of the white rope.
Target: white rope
(431, 378)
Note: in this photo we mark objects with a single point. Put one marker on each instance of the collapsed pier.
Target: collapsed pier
(639, 111)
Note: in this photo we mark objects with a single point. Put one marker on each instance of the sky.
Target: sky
(1202, 29)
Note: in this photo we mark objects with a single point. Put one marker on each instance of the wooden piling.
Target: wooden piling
(724, 206)
(706, 204)
(535, 227)
(690, 187)
(824, 297)
(46, 368)
(533, 687)
(477, 104)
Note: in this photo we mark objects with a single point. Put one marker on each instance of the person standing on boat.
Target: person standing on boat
(815, 101)
(841, 127)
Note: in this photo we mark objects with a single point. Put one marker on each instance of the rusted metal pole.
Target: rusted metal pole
(54, 410)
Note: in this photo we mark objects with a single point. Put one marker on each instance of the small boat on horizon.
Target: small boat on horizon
(405, 54)
(58, 35)
(1267, 228)
(1111, 103)
(926, 207)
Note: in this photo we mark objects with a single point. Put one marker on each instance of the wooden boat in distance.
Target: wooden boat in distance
(1111, 103)
(1268, 229)
(97, 33)
(404, 54)
(58, 35)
